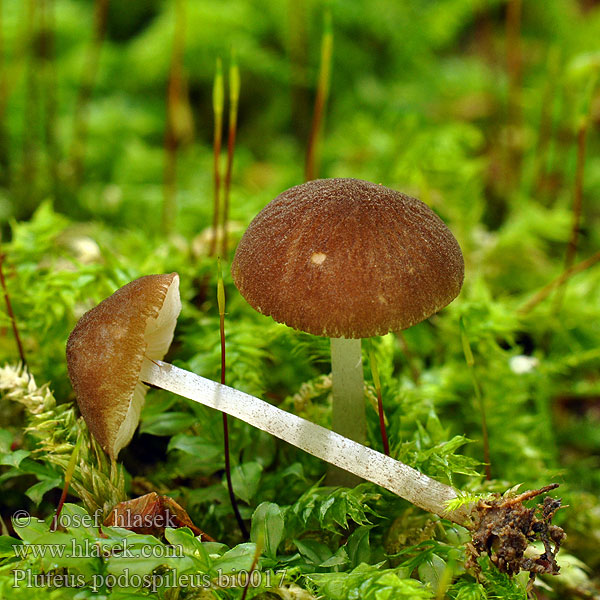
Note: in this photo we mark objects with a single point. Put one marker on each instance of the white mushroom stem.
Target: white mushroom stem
(327, 445)
(348, 415)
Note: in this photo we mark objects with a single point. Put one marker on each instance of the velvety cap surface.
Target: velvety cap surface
(347, 258)
(106, 349)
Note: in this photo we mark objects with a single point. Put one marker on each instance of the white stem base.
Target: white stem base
(406, 482)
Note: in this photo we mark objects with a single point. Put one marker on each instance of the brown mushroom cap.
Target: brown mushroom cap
(347, 258)
(106, 349)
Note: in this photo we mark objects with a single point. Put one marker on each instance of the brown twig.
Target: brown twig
(320, 100)
(528, 495)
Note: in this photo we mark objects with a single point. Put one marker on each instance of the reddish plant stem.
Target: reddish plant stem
(320, 100)
(230, 146)
(236, 510)
(61, 503)
(377, 382)
(171, 140)
(223, 354)
(11, 314)
(555, 174)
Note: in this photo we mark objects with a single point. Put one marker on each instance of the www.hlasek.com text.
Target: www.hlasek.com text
(92, 549)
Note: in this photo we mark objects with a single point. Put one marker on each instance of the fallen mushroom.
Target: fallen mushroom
(347, 259)
(113, 353)
(105, 352)
(115, 350)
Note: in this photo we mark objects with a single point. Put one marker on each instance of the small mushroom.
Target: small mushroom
(106, 349)
(115, 350)
(347, 259)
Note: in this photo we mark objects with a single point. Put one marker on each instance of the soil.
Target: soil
(504, 528)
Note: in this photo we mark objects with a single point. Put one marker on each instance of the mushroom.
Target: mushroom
(115, 350)
(106, 349)
(347, 259)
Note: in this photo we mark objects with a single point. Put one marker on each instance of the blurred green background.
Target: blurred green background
(438, 99)
(487, 110)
